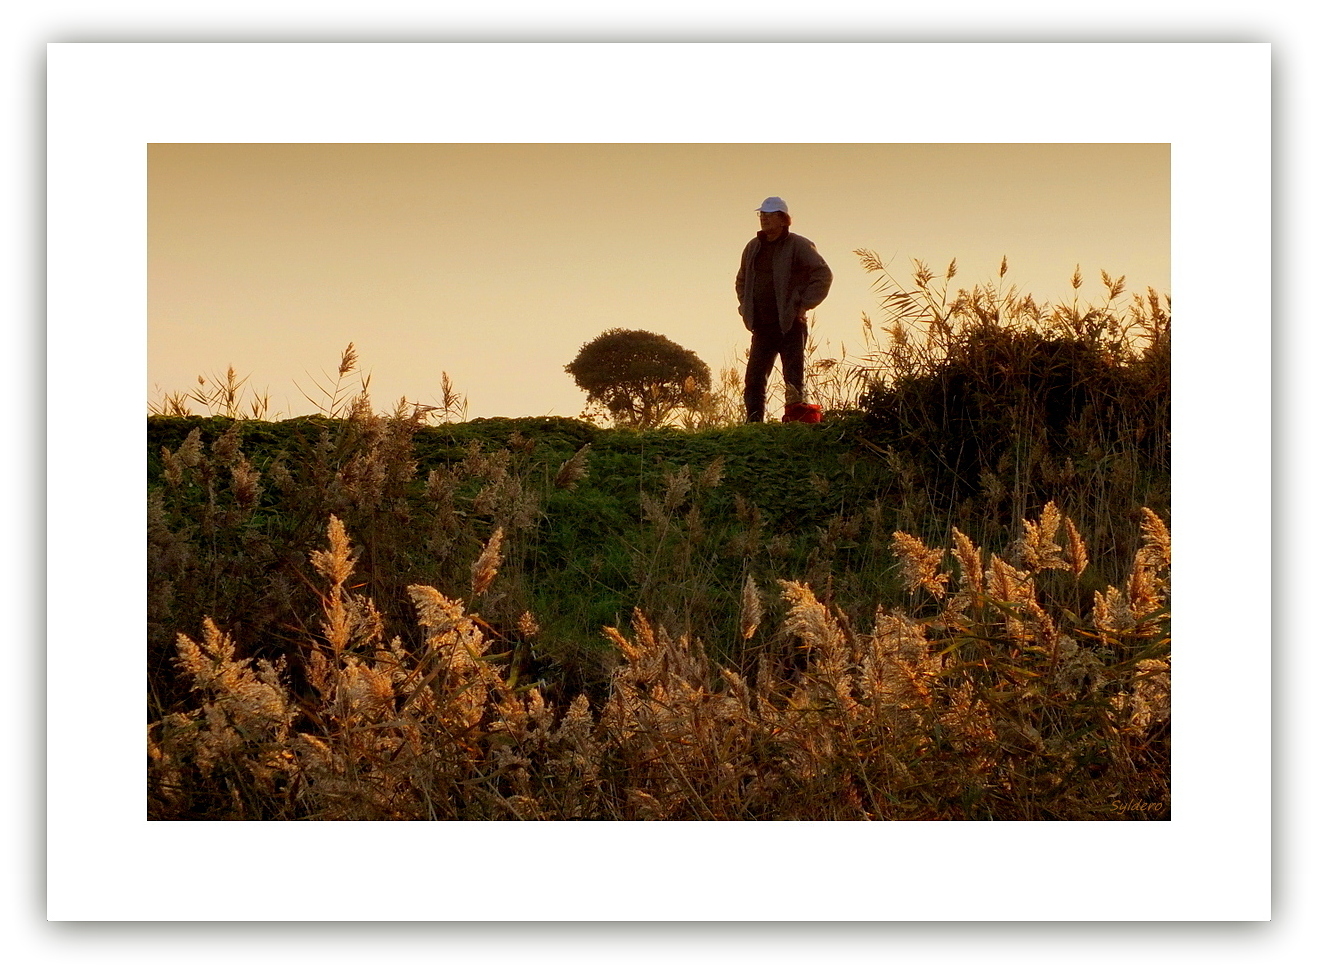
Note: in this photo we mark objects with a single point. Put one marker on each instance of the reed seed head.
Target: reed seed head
(485, 568)
(919, 564)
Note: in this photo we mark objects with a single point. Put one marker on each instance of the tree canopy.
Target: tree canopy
(639, 376)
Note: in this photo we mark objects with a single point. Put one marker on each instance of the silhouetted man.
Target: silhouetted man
(782, 276)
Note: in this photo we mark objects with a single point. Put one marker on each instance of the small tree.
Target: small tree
(640, 377)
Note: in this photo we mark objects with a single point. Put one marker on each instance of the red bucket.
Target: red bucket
(801, 412)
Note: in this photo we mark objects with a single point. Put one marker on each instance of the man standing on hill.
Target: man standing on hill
(782, 276)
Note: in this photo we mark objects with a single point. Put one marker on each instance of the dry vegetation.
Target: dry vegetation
(984, 705)
(365, 617)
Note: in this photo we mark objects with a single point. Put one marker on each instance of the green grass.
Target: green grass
(640, 530)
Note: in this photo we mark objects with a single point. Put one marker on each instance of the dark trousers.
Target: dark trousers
(767, 345)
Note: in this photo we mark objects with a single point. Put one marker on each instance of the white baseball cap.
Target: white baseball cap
(774, 204)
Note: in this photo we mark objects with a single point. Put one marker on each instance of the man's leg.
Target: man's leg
(758, 366)
(793, 352)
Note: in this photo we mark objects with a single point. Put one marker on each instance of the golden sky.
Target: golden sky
(496, 262)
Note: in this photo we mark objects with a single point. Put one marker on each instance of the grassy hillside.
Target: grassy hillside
(550, 540)
(950, 600)
(667, 521)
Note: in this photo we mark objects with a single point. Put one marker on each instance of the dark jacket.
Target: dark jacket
(801, 279)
